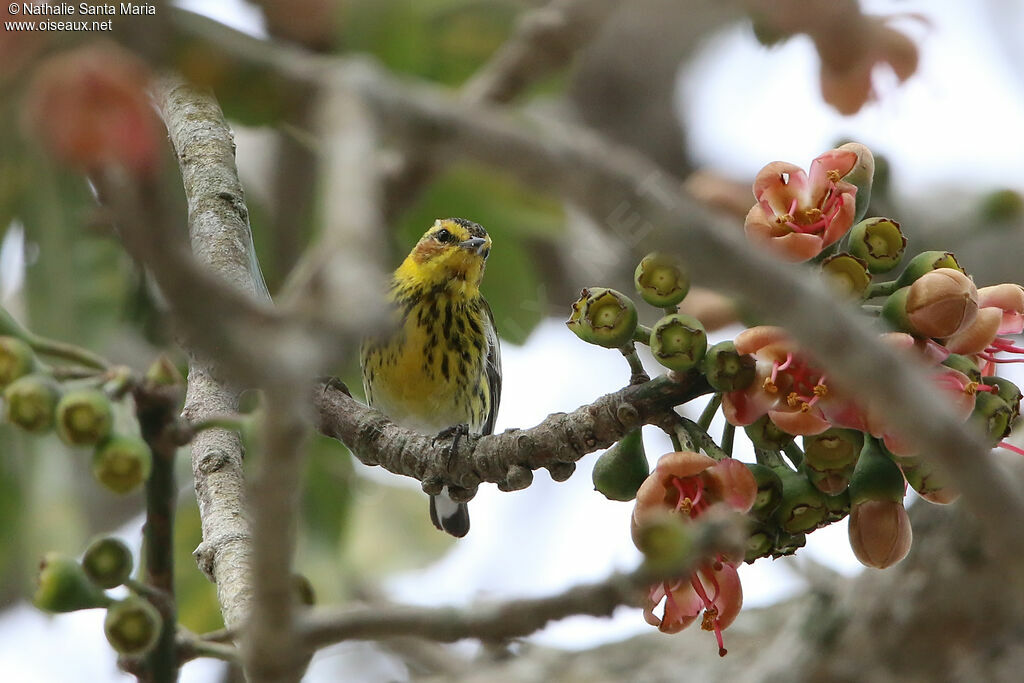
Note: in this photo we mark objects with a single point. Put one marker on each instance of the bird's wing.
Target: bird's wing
(493, 370)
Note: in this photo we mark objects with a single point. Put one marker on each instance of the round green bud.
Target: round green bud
(30, 402)
(16, 359)
(835, 448)
(726, 369)
(963, 364)
(1008, 391)
(848, 272)
(303, 590)
(765, 434)
(661, 280)
(879, 242)
(876, 476)
(84, 417)
(122, 463)
(759, 543)
(1002, 206)
(132, 626)
(665, 541)
(926, 262)
(803, 507)
(837, 506)
(769, 490)
(604, 317)
(788, 544)
(64, 587)
(620, 470)
(678, 342)
(164, 373)
(992, 416)
(107, 562)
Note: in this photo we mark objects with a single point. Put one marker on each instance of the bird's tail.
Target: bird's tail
(448, 515)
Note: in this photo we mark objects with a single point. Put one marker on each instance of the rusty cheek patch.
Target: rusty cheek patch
(426, 250)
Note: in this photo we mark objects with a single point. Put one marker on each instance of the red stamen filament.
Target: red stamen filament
(1011, 447)
(710, 621)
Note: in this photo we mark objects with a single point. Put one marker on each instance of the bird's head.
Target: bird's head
(452, 251)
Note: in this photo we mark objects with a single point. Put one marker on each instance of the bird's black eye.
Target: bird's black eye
(443, 236)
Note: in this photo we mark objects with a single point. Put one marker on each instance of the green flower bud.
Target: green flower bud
(661, 280)
(665, 542)
(837, 506)
(834, 448)
(604, 317)
(879, 242)
(621, 469)
(963, 364)
(759, 543)
(992, 416)
(164, 373)
(30, 402)
(788, 544)
(84, 417)
(848, 272)
(678, 342)
(303, 590)
(876, 476)
(765, 434)
(769, 490)
(16, 360)
(726, 369)
(1008, 391)
(1001, 207)
(926, 262)
(132, 626)
(122, 463)
(803, 507)
(107, 562)
(64, 587)
(831, 482)
(930, 482)
(862, 175)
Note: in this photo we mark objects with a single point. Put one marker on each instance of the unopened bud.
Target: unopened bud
(879, 242)
(30, 402)
(803, 507)
(992, 415)
(64, 587)
(122, 463)
(84, 417)
(661, 280)
(678, 342)
(880, 533)
(621, 469)
(726, 369)
(834, 448)
(968, 366)
(939, 304)
(1008, 391)
(604, 317)
(848, 273)
(16, 360)
(925, 262)
(164, 373)
(107, 562)
(132, 626)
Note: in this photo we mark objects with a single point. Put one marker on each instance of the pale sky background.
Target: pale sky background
(960, 115)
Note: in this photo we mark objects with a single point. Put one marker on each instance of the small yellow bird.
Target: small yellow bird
(439, 368)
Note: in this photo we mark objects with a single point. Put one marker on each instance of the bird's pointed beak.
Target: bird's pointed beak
(476, 244)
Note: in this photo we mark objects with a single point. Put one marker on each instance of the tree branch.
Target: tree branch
(712, 535)
(507, 459)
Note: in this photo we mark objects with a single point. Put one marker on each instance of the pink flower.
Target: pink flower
(797, 215)
(787, 388)
(714, 589)
(1000, 312)
(689, 483)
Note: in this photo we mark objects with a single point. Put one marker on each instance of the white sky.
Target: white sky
(959, 116)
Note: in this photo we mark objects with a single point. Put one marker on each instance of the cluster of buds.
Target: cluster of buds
(132, 624)
(822, 456)
(82, 416)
